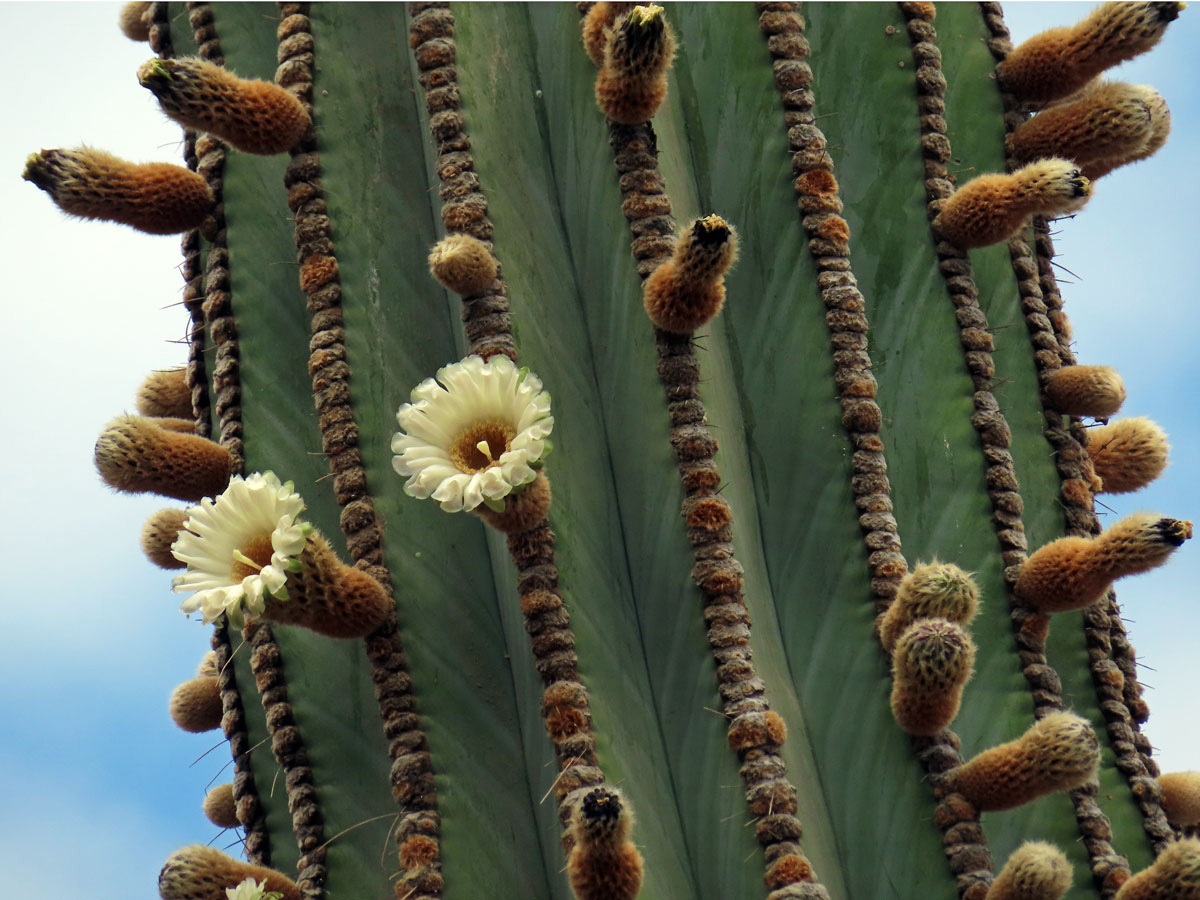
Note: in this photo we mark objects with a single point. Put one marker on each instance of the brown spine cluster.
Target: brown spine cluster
(330, 598)
(930, 590)
(136, 455)
(157, 198)
(464, 206)
(1111, 121)
(1058, 753)
(252, 115)
(203, 873)
(1035, 871)
(604, 864)
(1073, 390)
(638, 50)
(1109, 651)
(688, 290)
(1075, 572)
(1175, 875)
(412, 770)
(991, 208)
(1127, 455)
(1058, 62)
(931, 664)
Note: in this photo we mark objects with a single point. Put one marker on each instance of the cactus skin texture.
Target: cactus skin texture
(1060, 61)
(1175, 875)
(1095, 391)
(1181, 798)
(604, 864)
(991, 208)
(1073, 573)
(157, 198)
(1057, 753)
(254, 116)
(1128, 454)
(1035, 871)
(203, 873)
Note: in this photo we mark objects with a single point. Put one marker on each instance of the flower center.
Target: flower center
(251, 557)
(481, 446)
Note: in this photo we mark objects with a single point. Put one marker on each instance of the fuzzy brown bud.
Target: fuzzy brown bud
(688, 290)
(1057, 753)
(1111, 120)
(157, 198)
(638, 50)
(604, 864)
(930, 590)
(1181, 798)
(1035, 871)
(329, 597)
(196, 704)
(1127, 455)
(136, 455)
(1074, 572)
(1095, 391)
(220, 808)
(931, 664)
(165, 394)
(197, 872)
(1058, 62)
(1175, 875)
(159, 533)
(462, 264)
(252, 115)
(991, 208)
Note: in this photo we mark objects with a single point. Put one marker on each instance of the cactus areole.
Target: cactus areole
(559, 693)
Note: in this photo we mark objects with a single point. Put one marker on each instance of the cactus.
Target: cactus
(784, 409)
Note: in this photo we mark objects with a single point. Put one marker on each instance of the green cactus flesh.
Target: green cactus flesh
(541, 150)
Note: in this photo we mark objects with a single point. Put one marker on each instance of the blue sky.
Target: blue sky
(89, 760)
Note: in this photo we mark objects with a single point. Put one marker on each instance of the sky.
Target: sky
(91, 767)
